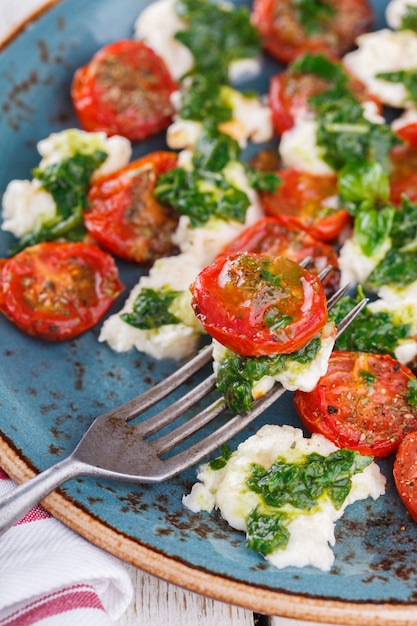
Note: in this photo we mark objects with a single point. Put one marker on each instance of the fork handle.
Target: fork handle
(21, 499)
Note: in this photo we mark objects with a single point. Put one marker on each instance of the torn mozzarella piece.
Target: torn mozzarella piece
(298, 148)
(395, 11)
(168, 341)
(311, 531)
(384, 51)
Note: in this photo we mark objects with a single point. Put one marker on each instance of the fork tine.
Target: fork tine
(224, 433)
(177, 408)
(204, 417)
(233, 426)
(351, 316)
(148, 398)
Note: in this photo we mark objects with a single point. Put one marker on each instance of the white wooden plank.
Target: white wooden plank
(162, 604)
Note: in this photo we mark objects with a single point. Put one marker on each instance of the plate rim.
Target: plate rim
(221, 588)
(150, 560)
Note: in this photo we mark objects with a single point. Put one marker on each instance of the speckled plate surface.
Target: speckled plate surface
(50, 393)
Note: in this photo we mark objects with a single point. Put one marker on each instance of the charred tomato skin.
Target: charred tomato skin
(58, 290)
(405, 472)
(124, 90)
(258, 304)
(285, 38)
(360, 403)
(125, 218)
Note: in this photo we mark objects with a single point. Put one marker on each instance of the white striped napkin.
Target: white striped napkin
(49, 575)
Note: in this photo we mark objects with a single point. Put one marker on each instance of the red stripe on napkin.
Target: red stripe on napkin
(76, 597)
(34, 514)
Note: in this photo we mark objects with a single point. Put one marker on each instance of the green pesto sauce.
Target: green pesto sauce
(204, 192)
(151, 309)
(412, 392)
(68, 182)
(299, 485)
(408, 78)
(409, 19)
(237, 374)
(399, 266)
(343, 132)
(216, 36)
(313, 15)
(370, 331)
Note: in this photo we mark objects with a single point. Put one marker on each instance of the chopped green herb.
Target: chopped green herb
(399, 265)
(202, 101)
(267, 533)
(216, 36)
(214, 150)
(300, 485)
(151, 309)
(408, 78)
(68, 182)
(204, 192)
(221, 461)
(313, 15)
(347, 136)
(370, 331)
(412, 392)
(344, 133)
(263, 181)
(201, 196)
(368, 377)
(409, 18)
(237, 375)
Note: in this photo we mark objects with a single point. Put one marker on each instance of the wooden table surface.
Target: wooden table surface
(157, 602)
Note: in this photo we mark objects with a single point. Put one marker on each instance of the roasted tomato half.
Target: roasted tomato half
(57, 291)
(360, 403)
(289, 29)
(124, 90)
(405, 472)
(257, 304)
(307, 201)
(123, 215)
(271, 235)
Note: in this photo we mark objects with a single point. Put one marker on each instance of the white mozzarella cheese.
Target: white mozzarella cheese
(311, 531)
(171, 340)
(251, 121)
(26, 205)
(395, 11)
(384, 51)
(354, 265)
(298, 148)
(156, 26)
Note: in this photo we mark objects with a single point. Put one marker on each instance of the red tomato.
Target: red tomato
(403, 176)
(123, 215)
(258, 304)
(360, 403)
(409, 134)
(271, 235)
(284, 36)
(56, 291)
(124, 90)
(405, 472)
(303, 200)
(290, 91)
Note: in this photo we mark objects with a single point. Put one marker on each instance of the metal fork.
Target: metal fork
(114, 449)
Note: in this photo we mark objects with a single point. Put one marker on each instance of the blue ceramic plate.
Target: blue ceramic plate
(49, 394)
